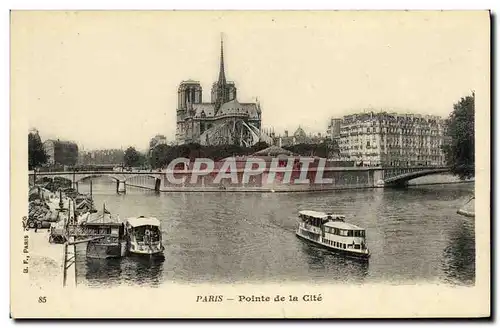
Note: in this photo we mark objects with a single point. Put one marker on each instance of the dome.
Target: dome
(300, 133)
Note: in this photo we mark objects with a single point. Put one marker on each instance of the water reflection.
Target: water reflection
(143, 271)
(459, 257)
(102, 271)
(131, 270)
(334, 266)
(414, 235)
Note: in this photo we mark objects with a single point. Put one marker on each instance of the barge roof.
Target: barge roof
(142, 221)
(322, 215)
(342, 225)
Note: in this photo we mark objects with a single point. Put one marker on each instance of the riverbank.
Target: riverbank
(438, 179)
(46, 262)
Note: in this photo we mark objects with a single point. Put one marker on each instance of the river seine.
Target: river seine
(414, 236)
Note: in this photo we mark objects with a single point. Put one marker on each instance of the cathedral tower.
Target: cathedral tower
(222, 90)
(189, 93)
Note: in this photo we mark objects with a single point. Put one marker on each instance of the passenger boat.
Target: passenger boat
(332, 232)
(143, 235)
(110, 232)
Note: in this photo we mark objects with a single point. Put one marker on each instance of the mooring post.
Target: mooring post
(74, 263)
(157, 185)
(61, 204)
(121, 187)
(65, 264)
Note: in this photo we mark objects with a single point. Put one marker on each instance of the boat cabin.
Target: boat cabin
(318, 219)
(112, 231)
(144, 230)
(144, 236)
(344, 229)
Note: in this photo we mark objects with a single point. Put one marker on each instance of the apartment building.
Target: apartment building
(392, 139)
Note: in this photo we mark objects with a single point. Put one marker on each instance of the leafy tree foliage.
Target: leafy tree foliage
(326, 149)
(459, 150)
(36, 153)
(133, 158)
(162, 155)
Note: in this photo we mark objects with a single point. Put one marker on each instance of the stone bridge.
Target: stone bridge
(380, 177)
(121, 178)
(399, 176)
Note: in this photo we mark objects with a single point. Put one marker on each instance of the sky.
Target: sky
(109, 79)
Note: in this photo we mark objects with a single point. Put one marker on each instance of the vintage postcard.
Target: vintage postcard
(250, 164)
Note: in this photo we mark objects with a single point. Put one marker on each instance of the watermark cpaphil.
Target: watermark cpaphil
(240, 171)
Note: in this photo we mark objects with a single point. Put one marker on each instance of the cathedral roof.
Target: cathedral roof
(207, 108)
(273, 151)
(253, 109)
(234, 107)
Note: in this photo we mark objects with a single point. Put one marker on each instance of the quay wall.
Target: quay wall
(349, 178)
(443, 178)
(287, 176)
(332, 179)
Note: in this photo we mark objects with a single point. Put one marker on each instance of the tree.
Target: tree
(36, 152)
(133, 158)
(157, 140)
(332, 148)
(459, 148)
(259, 146)
(163, 154)
(159, 156)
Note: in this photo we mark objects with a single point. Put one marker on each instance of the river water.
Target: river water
(414, 236)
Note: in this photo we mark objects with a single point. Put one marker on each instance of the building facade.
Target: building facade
(223, 120)
(391, 139)
(298, 137)
(102, 157)
(157, 140)
(61, 152)
(333, 131)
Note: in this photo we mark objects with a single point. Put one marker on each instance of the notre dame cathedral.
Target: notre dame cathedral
(222, 121)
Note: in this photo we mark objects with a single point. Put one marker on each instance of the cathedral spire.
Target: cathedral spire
(222, 73)
(222, 93)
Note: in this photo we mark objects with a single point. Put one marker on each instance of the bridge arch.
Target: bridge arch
(127, 178)
(96, 175)
(403, 179)
(152, 179)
